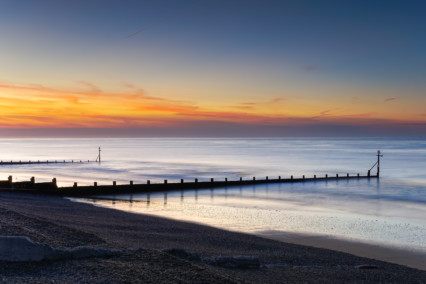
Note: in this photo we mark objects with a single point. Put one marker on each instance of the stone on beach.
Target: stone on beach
(21, 248)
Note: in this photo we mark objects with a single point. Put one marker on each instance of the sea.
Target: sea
(389, 211)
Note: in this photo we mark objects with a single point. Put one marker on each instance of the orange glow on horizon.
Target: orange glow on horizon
(41, 107)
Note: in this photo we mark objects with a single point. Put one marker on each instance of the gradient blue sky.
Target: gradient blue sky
(213, 68)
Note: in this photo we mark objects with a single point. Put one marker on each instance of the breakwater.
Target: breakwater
(20, 162)
(114, 188)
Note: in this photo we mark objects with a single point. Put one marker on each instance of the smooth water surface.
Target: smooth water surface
(390, 211)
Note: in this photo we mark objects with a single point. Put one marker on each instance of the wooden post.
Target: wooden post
(378, 162)
(266, 177)
(254, 178)
(196, 180)
(279, 177)
(212, 180)
(315, 176)
(226, 179)
(303, 176)
(337, 175)
(291, 177)
(95, 184)
(326, 176)
(347, 175)
(241, 179)
(114, 183)
(368, 174)
(54, 182)
(98, 159)
(75, 185)
(358, 175)
(32, 180)
(165, 181)
(10, 179)
(131, 183)
(148, 182)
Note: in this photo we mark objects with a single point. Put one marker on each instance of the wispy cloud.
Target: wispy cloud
(389, 100)
(309, 68)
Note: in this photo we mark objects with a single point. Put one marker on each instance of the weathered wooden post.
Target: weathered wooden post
(98, 159)
(315, 176)
(95, 184)
(32, 180)
(326, 176)
(337, 175)
(266, 177)
(347, 175)
(241, 179)
(378, 162)
(148, 182)
(358, 175)
(279, 177)
(211, 180)
(75, 185)
(368, 174)
(226, 179)
(291, 177)
(114, 183)
(54, 182)
(303, 176)
(131, 183)
(165, 181)
(254, 178)
(10, 179)
(196, 180)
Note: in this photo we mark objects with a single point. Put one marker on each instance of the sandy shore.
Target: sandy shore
(63, 223)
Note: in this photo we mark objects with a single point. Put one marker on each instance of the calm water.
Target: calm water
(390, 211)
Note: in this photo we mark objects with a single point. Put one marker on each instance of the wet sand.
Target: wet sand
(383, 253)
(62, 223)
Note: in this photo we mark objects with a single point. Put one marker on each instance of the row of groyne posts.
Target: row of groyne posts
(75, 190)
(30, 162)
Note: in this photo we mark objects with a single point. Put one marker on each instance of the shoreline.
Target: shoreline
(400, 256)
(63, 223)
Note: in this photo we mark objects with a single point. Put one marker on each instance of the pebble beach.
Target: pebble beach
(161, 250)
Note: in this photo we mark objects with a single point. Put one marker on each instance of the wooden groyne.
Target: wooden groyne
(20, 162)
(31, 162)
(114, 188)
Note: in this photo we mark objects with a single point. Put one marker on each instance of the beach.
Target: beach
(62, 223)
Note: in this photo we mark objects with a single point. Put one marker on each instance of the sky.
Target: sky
(212, 68)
